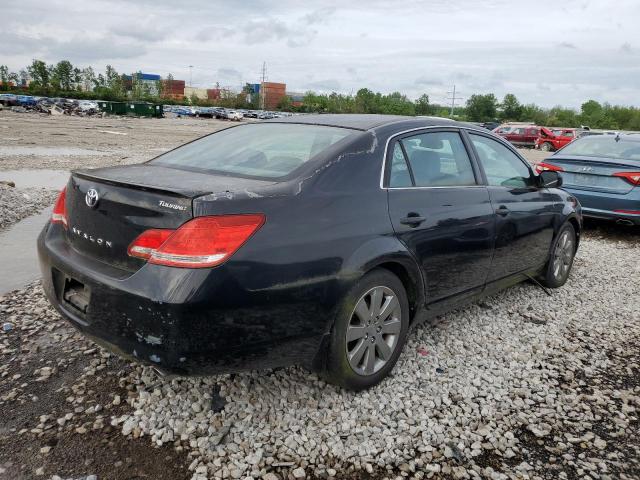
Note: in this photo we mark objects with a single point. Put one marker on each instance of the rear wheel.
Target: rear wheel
(546, 147)
(561, 258)
(369, 331)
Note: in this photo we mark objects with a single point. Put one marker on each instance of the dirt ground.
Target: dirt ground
(45, 142)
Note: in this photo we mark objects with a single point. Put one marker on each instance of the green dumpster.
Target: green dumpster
(140, 109)
(118, 108)
(104, 106)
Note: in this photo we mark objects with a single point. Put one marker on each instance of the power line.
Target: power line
(453, 98)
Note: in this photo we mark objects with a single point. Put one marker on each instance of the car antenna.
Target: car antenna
(617, 139)
(544, 289)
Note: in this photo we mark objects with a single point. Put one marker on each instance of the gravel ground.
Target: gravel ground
(77, 142)
(18, 203)
(520, 386)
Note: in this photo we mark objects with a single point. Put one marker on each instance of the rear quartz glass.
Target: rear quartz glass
(604, 146)
(259, 150)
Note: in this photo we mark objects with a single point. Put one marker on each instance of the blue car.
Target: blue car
(603, 172)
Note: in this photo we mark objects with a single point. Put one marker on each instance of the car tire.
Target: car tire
(561, 258)
(357, 355)
(546, 147)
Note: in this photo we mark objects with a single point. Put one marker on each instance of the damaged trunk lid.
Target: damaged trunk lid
(108, 208)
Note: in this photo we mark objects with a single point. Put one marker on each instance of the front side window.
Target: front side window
(502, 167)
(268, 150)
(438, 159)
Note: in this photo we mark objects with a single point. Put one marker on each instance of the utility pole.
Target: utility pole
(264, 77)
(453, 99)
(191, 75)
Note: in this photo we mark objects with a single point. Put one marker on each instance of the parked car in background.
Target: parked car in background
(233, 115)
(520, 135)
(252, 247)
(550, 140)
(603, 172)
(490, 125)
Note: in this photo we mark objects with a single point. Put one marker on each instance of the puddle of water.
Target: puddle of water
(18, 255)
(54, 179)
(10, 150)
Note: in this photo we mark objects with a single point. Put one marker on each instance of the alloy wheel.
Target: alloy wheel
(563, 255)
(374, 330)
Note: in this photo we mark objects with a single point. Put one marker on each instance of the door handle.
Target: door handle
(502, 211)
(412, 219)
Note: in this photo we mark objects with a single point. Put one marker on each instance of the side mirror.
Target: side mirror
(549, 179)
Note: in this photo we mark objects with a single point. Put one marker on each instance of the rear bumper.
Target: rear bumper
(608, 206)
(611, 215)
(199, 321)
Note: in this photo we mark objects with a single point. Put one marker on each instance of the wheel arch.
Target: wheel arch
(573, 220)
(391, 254)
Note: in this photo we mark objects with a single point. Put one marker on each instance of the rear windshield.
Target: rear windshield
(604, 146)
(268, 150)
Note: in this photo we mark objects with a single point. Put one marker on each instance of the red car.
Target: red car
(519, 135)
(554, 139)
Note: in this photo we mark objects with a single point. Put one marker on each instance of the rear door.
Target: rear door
(440, 210)
(525, 213)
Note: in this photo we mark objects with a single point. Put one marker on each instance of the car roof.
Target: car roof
(367, 121)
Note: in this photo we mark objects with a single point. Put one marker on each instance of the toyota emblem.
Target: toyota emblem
(91, 198)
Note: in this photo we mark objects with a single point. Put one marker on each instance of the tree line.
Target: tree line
(66, 80)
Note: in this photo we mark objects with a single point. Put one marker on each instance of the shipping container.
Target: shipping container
(213, 93)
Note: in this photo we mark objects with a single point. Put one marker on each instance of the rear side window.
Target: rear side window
(400, 176)
(438, 159)
(501, 166)
(269, 150)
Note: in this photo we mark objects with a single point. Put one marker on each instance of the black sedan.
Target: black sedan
(318, 240)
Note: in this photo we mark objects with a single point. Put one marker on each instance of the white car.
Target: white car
(233, 115)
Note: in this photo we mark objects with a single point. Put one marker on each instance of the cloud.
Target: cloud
(427, 81)
(144, 31)
(229, 74)
(319, 16)
(274, 29)
(343, 46)
(90, 50)
(568, 45)
(329, 85)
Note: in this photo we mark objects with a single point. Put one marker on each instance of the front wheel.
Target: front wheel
(369, 331)
(546, 147)
(561, 259)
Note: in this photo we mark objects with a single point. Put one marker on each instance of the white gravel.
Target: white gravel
(521, 386)
(18, 203)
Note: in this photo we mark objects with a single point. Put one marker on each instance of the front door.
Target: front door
(440, 211)
(525, 213)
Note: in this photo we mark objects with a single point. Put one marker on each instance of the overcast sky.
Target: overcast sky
(547, 52)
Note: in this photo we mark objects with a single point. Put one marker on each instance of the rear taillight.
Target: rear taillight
(201, 242)
(632, 177)
(59, 214)
(148, 242)
(544, 167)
